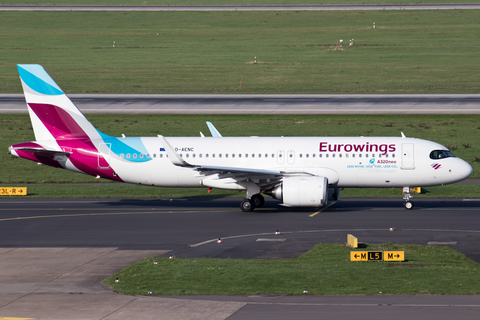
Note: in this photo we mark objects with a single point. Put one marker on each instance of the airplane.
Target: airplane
(299, 171)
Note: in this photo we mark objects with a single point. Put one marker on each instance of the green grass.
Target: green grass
(218, 2)
(430, 51)
(326, 269)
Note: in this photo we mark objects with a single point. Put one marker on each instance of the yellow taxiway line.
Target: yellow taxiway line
(324, 208)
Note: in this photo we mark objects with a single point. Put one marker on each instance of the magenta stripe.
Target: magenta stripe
(70, 136)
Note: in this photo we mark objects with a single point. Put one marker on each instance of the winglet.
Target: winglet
(403, 136)
(213, 130)
(174, 157)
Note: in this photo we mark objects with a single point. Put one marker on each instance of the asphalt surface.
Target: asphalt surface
(190, 227)
(362, 7)
(263, 104)
(104, 234)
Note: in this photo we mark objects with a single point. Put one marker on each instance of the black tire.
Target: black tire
(247, 205)
(409, 205)
(258, 200)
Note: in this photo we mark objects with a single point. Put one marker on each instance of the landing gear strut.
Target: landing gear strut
(406, 196)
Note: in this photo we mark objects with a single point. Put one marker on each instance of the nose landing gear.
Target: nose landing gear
(406, 196)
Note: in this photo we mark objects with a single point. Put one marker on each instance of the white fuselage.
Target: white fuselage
(345, 161)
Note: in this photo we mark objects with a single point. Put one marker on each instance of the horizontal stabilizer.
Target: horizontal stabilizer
(43, 151)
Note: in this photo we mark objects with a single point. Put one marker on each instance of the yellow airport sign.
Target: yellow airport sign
(377, 255)
(352, 241)
(22, 191)
(394, 256)
(358, 256)
(366, 256)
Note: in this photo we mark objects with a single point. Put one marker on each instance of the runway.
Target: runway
(115, 229)
(263, 104)
(361, 7)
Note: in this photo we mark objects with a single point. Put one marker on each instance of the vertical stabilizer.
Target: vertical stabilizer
(53, 114)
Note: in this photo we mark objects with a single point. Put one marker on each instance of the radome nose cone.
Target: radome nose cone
(467, 170)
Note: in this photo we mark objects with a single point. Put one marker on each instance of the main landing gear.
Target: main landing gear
(249, 205)
(406, 196)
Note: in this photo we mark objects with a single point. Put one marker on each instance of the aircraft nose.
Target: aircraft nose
(463, 170)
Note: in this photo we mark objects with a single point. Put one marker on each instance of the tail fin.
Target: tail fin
(53, 114)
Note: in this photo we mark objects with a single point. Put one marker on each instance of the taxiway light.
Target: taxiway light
(171, 257)
(219, 240)
(150, 292)
(155, 262)
(392, 229)
(278, 232)
(305, 291)
(117, 280)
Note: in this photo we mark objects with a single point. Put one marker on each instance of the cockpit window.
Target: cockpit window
(440, 154)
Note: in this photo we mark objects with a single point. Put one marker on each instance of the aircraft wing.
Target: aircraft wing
(239, 170)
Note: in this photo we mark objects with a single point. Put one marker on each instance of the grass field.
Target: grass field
(426, 51)
(326, 269)
(458, 132)
(217, 2)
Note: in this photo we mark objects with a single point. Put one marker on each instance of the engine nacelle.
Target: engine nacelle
(302, 191)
